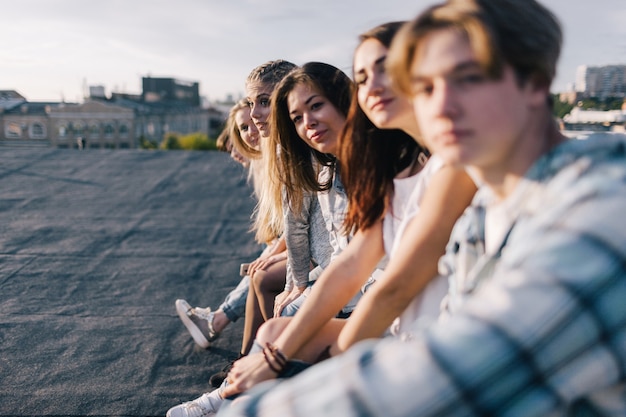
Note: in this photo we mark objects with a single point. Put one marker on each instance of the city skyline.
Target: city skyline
(52, 50)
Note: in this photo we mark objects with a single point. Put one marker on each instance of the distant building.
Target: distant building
(170, 105)
(595, 120)
(578, 115)
(9, 99)
(155, 119)
(602, 82)
(166, 105)
(570, 97)
(170, 90)
(26, 122)
(97, 91)
(93, 124)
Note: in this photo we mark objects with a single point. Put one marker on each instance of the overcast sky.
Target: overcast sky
(49, 49)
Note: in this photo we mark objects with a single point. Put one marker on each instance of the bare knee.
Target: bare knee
(265, 282)
(257, 280)
(271, 329)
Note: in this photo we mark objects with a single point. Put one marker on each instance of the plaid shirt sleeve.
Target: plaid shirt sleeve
(543, 335)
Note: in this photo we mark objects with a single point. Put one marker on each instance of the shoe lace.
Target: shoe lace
(203, 313)
(207, 315)
(200, 407)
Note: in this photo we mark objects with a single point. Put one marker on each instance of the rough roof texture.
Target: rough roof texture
(95, 246)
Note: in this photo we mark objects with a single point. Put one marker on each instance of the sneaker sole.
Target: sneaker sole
(196, 333)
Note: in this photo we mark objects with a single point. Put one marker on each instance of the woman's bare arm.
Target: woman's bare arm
(339, 282)
(415, 262)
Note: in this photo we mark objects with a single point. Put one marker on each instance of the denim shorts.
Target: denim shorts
(293, 368)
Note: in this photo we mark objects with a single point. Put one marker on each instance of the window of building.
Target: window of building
(109, 130)
(94, 130)
(79, 129)
(63, 131)
(37, 131)
(123, 129)
(13, 130)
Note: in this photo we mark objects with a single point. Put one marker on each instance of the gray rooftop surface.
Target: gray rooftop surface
(95, 247)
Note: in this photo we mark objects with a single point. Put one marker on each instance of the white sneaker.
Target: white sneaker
(205, 406)
(198, 321)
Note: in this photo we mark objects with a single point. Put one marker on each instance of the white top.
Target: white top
(500, 215)
(394, 218)
(408, 194)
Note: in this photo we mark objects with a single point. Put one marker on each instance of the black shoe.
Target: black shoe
(218, 378)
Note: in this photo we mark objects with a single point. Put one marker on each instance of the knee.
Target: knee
(270, 330)
(263, 282)
(257, 280)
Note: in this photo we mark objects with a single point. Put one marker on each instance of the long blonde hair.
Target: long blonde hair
(231, 137)
(268, 214)
(235, 135)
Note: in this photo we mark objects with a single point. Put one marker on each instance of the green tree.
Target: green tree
(197, 142)
(146, 143)
(560, 108)
(192, 142)
(170, 141)
(595, 103)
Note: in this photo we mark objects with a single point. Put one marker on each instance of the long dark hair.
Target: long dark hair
(297, 163)
(369, 157)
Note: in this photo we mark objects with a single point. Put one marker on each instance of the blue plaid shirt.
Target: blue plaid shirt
(536, 329)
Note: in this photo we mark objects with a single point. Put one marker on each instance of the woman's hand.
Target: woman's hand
(246, 373)
(264, 261)
(285, 298)
(279, 299)
(334, 349)
(254, 265)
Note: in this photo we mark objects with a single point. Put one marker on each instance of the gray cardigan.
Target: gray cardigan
(314, 235)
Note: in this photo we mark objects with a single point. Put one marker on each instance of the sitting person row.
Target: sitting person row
(313, 212)
(304, 108)
(534, 321)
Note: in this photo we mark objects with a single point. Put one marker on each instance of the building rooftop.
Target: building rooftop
(96, 246)
(33, 108)
(10, 99)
